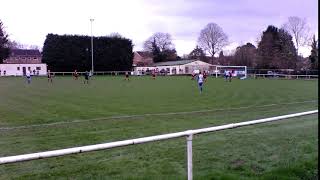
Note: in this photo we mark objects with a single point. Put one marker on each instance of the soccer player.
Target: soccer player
(49, 76)
(192, 75)
(86, 77)
(205, 76)
(28, 75)
(226, 74)
(230, 76)
(75, 75)
(127, 76)
(200, 81)
(153, 74)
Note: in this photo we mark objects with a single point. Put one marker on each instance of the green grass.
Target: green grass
(67, 113)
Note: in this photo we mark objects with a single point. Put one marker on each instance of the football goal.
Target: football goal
(236, 71)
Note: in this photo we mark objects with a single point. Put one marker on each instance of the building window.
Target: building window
(34, 58)
(18, 68)
(38, 68)
(29, 68)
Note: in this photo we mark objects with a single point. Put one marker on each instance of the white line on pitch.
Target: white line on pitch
(143, 115)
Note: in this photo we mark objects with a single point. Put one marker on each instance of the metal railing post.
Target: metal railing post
(189, 152)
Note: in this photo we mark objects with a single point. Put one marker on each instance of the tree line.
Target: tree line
(70, 52)
(277, 49)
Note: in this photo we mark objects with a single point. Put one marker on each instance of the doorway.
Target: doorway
(24, 71)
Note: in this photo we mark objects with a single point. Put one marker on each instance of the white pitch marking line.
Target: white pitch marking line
(143, 115)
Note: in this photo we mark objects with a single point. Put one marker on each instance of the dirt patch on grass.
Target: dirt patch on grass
(237, 164)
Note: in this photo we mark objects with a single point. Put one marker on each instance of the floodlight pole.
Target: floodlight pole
(91, 20)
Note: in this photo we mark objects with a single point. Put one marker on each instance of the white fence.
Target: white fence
(286, 76)
(189, 134)
(94, 73)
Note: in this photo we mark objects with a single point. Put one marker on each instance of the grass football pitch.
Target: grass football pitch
(41, 116)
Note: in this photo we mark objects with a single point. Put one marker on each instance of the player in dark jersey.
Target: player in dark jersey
(205, 76)
(230, 76)
(75, 75)
(49, 76)
(153, 74)
(126, 76)
(86, 77)
(193, 75)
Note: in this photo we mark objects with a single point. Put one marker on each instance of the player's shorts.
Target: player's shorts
(200, 83)
(86, 77)
(127, 76)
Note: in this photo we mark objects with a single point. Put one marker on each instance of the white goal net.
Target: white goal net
(236, 71)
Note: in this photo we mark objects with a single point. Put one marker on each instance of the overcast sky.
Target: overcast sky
(28, 22)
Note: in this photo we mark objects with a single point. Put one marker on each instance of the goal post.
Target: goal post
(237, 71)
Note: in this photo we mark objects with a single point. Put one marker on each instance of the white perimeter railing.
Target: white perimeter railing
(94, 73)
(188, 134)
(287, 76)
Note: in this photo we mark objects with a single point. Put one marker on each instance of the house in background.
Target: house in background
(142, 58)
(22, 60)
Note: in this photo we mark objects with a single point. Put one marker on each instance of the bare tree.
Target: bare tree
(258, 39)
(34, 47)
(15, 45)
(299, 29)
(163, 41)
(212, 39)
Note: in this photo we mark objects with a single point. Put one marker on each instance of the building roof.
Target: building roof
(172, 63)
(145, 54)
(25, 52)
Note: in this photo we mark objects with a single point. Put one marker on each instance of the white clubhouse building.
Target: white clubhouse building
(176, 67)
(22, 60)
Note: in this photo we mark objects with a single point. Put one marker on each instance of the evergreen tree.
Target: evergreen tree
(287, 55)
(221, 54)
(4, 43)
(69, 52)
(245, 55)
(276, 50)
(197, 53)
(314, 54)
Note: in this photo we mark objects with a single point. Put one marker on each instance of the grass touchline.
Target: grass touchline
(142, 115)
